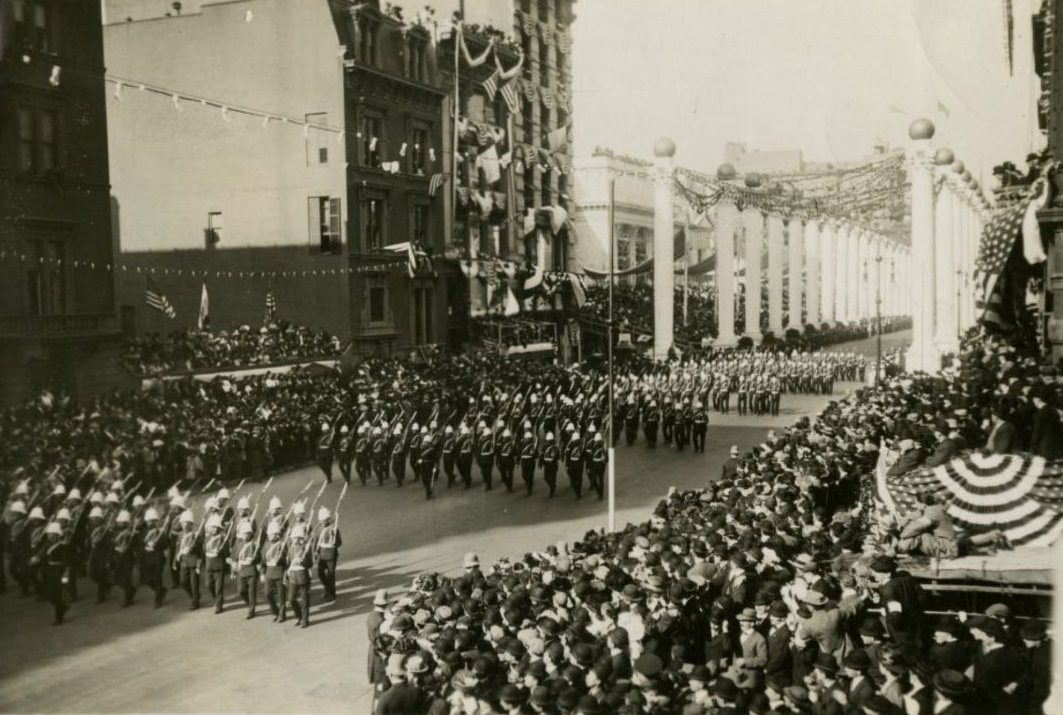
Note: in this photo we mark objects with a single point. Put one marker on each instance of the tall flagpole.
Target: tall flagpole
(454, 161)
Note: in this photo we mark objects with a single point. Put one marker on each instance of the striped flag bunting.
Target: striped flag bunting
(1019, 494)
(1000, 244)
(511, 96)
(435, 182)
(490, 86)
(157, 300)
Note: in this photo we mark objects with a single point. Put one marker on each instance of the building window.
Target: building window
(526, 46)
(499, 109)
(559, 11)
(544, 125)
(526, 121)
(377, 309)
(374, 210)
(419, 221)
(45, 280)
(525, 6)
(33, 26)
(559, 61)
(367, 30)
(38, 139)
(460, 237)
(546, 197)
(418, 149)
(417, 60)
(562, 189)
(529, 186)
(372, 140)
(560, 250)
(544, 10)
(623, 253)
(325, 224)
(422, 315)
(316, 139)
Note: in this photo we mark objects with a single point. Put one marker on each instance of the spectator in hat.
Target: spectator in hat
(826, 690)
(918, 699)
(860, 688)
(998, 667)
(952, 689)
(1038, 654)
(1003, 437)
(373, 621)
(911, 457)
(902, 598)
(753, 646)
(826, 625)
(1046, 432)
(949, 445)
(949, 649)
(780, 659)
(404, 696)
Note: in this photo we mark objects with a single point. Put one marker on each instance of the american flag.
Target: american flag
(1001, 240)
(157, 300)
(271, 306)
(491, 86)
(509, 93)
(435, 182)
(1019, 494)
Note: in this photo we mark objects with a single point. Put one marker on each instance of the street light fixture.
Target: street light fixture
(878, 259)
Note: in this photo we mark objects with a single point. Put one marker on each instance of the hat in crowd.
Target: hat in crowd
(649, 665)
(858, 660)
(381, 597)
(883, 564)
(998, 610)
(951, 683)
(779, 609)
(53, 528)
(991, 627)
(747, 614)
(725, 688)
(1033, 630)
(797, 693)
(471, 560)
(827, 663)
(814, 598)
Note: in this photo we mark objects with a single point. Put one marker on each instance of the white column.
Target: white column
(663, 256)
(775, 261)
(726, 225)
(796, 266)
(852, 281)
(922, 355)
(753, 221)
(864, 268)
(841, 278)
(812, 289)
(828, 271)
(948, 233)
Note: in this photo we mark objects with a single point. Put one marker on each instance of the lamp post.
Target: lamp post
(961, 279)
(878, 259)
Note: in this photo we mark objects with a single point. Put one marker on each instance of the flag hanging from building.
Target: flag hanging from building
(204, 309)
(560, 137)
(1004, 251)
(510, 94)
(271, 307)
(435, 182)
(157, 300)
(490, 86)
(1019, 494)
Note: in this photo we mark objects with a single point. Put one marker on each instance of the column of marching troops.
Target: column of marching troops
(121, 539)
(57, 537)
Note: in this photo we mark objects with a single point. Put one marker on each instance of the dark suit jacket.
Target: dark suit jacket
(372, 623)
(1002, 439)
(944, 452)
(1046, 434)
(780, 659)
(907, 462)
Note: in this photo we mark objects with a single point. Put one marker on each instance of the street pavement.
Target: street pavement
(106, 658)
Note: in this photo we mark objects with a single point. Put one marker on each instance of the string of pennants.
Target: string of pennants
(532, 28)
(130, 269)
(862, 191)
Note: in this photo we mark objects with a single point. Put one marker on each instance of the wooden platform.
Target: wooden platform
(1028, 568)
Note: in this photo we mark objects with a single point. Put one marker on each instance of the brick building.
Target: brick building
(57, 320)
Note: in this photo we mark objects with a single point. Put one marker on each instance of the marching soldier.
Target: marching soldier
(450, 452)
(327, 548)
(379, 455)
(275, 564)
(243, 512)
(275, 516)
(631, 422)
(55, 569)
(574, 464)
(465, 448)
(398, 455)
(222, 506)
(123, 556)
(345, 452)
(215, 552)
(177, 508)
(683, 421)
(596, 457)
(551, 458)
(527, 460)
(21, 530)
(152, 557)
(300, 559)
(362, 455)
(189, 551)
(324, 451)
(701, 427)
(506, 459)
(245, 565)
(486, 458)
(100, 553)
(650, 422)
(667, 421)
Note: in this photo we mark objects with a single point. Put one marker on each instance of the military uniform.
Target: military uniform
(275, 564)
(300, 559)
(327, 549)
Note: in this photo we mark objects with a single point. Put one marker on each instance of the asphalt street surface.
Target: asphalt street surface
(106, 658)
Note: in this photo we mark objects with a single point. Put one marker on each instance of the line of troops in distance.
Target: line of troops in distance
(58, 536)
(507, 433)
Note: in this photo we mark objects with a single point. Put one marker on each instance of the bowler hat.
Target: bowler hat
(951, 683)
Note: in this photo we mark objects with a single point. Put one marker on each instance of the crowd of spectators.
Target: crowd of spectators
(764, 592)
(191, 350)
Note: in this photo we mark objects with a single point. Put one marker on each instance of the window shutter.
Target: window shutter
(314, 223)
(335, 224)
